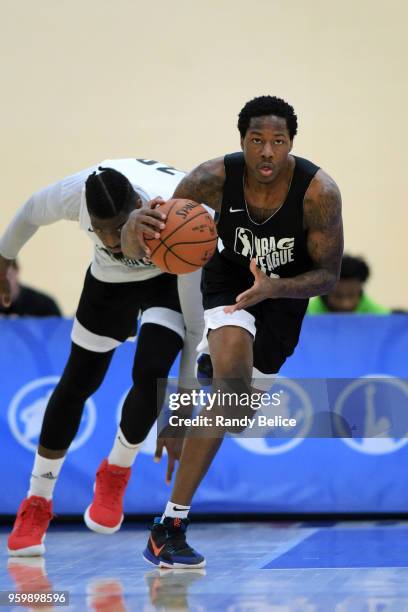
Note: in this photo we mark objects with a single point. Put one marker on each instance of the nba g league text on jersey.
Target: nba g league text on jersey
(269, 253)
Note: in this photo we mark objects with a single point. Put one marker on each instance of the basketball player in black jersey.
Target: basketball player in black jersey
(281, 230)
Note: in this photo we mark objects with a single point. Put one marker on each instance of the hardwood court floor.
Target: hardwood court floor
(251, 567)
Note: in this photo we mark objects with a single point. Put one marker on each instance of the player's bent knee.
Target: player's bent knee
(232, 370)
(156, 351)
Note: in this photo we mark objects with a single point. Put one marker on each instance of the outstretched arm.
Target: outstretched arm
(57, 201)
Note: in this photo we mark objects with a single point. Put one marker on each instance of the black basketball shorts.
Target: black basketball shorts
(275, 324)
(108, 313)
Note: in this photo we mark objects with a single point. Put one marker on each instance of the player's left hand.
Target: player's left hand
(262, 289)
(174, 447)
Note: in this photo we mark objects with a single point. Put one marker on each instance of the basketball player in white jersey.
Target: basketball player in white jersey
(116, 290)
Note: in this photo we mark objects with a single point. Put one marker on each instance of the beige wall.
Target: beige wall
(82, 80)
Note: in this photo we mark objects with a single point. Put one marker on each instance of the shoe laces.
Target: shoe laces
(35, 514)
(177, 536)
(110, 488)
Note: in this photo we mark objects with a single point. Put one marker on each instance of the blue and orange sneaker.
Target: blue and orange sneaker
(167, 545)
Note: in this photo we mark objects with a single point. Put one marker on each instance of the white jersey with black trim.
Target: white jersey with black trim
(66, 200)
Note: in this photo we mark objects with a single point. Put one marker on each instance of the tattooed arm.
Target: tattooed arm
(204, 184)
(323, 222)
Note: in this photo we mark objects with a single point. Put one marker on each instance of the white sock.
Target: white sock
(123, 453)
(175, 511)
(44, 476)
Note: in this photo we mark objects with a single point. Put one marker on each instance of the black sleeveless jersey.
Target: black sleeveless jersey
(279, 246)
(279, 243)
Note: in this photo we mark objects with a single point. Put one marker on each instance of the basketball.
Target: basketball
(189, 239)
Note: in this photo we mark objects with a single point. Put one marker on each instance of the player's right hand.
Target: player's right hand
(142, 222)
(174, 446)
(5, 289)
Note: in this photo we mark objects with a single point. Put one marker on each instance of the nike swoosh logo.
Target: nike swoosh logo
(180, 509)
(236, 209)
(156, 549)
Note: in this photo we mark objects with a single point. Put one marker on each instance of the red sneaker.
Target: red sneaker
(32, 520)
(105, 514)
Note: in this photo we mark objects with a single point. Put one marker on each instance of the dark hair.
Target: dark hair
(108, 193)
(354, 268)
(267, 105)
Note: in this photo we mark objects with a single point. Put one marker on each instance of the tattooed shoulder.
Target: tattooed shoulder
(322, 203)
(204, 184)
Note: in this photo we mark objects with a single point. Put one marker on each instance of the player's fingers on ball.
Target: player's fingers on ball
(132, 225)
(155, 202)
(148, 217)
(148, 230)
(155, 220)
(156, 213)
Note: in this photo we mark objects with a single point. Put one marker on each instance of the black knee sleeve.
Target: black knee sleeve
(156, 351)
(83, 374)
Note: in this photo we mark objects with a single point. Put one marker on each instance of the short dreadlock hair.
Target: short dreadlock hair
(108, 193)
(267, 105)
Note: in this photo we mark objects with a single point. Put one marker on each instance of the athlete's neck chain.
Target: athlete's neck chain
(257, 214)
